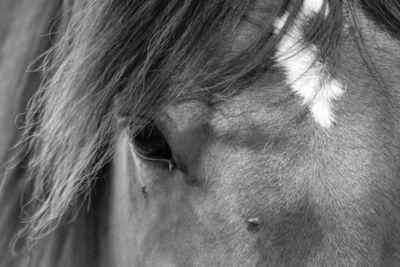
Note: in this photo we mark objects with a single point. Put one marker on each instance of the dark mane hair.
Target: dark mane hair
(120, 59)
(385, 13)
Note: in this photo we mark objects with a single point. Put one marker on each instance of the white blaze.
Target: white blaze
(312, 6)
(306, 75)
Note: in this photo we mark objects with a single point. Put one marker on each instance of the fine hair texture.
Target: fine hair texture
(120, 59)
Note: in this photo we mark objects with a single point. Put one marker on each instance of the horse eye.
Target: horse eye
(150, 144)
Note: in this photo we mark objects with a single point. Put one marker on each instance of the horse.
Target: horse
(200, 133)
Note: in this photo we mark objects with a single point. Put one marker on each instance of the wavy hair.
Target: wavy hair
(121, 59)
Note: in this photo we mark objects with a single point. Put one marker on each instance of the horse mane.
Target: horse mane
(120, 59)
(385, 13)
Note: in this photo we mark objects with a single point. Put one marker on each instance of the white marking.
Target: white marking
(307, 76)
(312, 6)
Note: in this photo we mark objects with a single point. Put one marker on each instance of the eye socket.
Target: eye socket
(150, 144)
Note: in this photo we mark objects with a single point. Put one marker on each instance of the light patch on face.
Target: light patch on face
(312, 6)
(307, 76)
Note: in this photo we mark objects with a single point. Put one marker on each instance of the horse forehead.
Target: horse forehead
(301, 72)
(264, 110)
(305, 73)
(257, 112)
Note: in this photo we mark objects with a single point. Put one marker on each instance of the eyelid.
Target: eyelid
(170, 162)
(166, 125)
